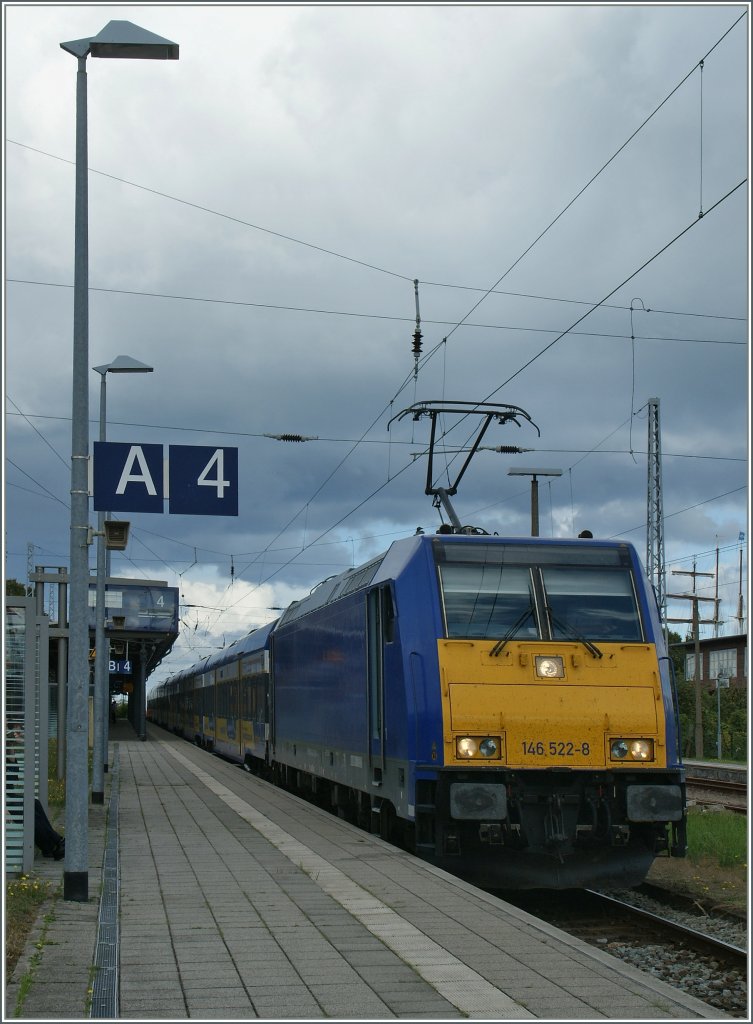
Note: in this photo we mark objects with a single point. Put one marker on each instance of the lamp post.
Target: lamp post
(722, 682)
(121, 364)
(117, 39)
(534, 475)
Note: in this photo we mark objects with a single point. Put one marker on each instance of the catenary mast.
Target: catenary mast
(655, 566)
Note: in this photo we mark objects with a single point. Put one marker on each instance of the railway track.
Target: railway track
(718, 784)
(729, 954)
(711, 968)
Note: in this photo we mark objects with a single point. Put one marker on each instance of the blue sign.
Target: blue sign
(121, 668)
(137, 608)
(203, 480)
(127, 477)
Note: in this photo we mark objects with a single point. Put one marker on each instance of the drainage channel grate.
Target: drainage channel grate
(105, 988)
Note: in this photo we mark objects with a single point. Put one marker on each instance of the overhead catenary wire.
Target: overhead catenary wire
(371, 266)
(210, 431)
(404, 319)
(217, 213)
(550, 345)
(577, 302)
(517, 372)
(622, 284)
(688, 508)
(598, 173)
(612, 292)
(698, 65)
(700, 147)
(632, 378)
(588, 312)
(382, 270)
(55, 452)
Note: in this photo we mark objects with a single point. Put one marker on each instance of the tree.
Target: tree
(677, 655)
(15, 589)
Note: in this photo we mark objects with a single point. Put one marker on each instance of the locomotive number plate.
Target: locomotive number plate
(556, 748)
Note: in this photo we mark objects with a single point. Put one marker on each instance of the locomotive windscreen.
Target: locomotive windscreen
(562, 592)
(488, 601)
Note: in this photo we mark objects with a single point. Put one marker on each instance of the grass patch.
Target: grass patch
(25, 895)
(55, 786)
(23, 898)
(721, 836)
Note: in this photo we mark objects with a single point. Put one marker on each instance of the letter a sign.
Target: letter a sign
(201, 480)
(127, 477)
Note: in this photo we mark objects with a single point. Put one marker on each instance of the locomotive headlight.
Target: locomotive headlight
(550, 667)
(489, 747)
(631, 750)
(642, 750)
(468, 747)
(619, 750)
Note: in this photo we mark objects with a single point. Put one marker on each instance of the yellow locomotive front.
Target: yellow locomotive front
(560, 746)
(544, 705)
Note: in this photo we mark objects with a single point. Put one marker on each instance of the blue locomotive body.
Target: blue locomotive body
(501, 706)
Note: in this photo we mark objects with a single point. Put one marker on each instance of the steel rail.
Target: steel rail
(700, 941)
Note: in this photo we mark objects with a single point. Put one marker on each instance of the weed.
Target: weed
(29, 894)
(55, 786)
(719, 835)
(24, 895)
(23, 898)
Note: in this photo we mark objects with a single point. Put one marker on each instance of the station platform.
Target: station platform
(225, 898)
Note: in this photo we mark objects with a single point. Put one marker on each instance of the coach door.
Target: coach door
(380, 627)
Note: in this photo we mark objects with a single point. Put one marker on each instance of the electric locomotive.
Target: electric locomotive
(502, 706)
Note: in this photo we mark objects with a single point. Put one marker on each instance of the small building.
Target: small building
(719, 655)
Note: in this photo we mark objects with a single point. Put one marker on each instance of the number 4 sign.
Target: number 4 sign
(200, 480)
(203, 481)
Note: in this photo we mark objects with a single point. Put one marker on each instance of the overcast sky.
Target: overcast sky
(258, 212)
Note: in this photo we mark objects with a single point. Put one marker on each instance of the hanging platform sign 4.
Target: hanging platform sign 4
(198, 480)
(203, 480)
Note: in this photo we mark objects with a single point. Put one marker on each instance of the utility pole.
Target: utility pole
(534, 475)
(655, 568)
(695, 622)
(740, 607)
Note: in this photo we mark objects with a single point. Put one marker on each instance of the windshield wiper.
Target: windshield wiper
(567, 628)
(501, 644)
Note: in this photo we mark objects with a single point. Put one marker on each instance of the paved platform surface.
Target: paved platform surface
(234, 900)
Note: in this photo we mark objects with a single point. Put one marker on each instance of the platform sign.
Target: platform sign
(127, 477)
(135, 608)
(203, 480)
(121, 668)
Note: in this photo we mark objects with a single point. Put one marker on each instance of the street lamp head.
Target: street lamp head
(124, 39)
(516, 471)
(123, 364)
(78, 47)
